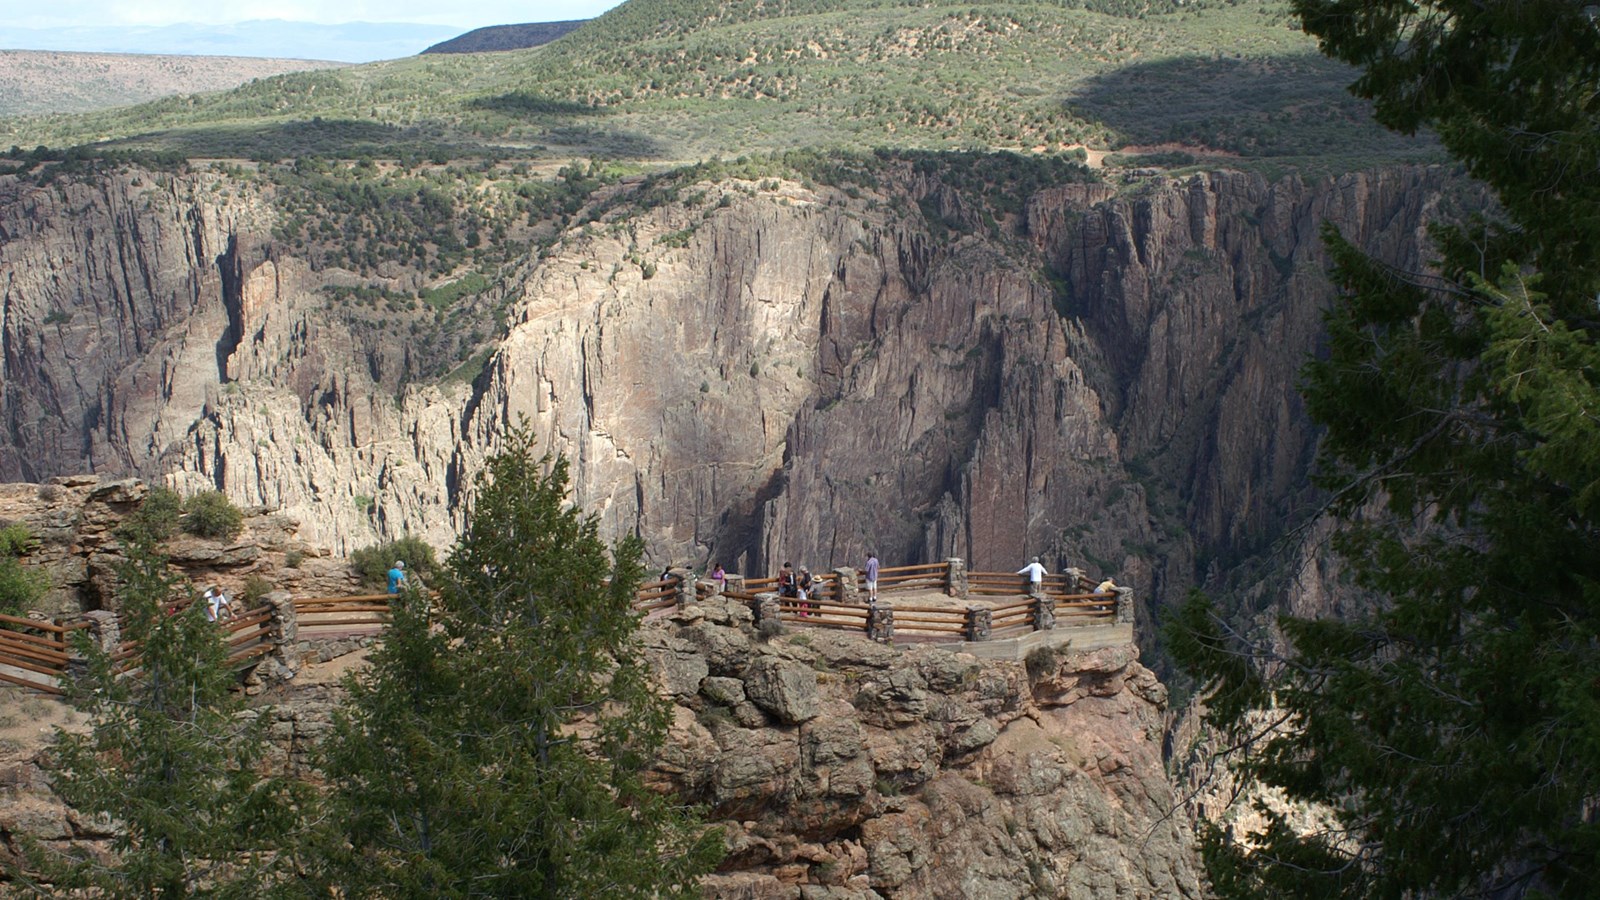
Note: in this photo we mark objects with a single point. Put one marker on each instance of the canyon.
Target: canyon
(756, 372)
(751, 371)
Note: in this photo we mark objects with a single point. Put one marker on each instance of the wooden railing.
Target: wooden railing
(250, 635)
(1079, 609)
(930, 622)
(929, 576)
(342, 616)
(817, 612)
(36, 652)
(1013, 619)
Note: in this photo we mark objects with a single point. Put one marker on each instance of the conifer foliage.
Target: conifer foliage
(498, 752)
(1455, 730)
(171, 762)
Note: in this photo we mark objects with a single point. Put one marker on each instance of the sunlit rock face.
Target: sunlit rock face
(765, 372)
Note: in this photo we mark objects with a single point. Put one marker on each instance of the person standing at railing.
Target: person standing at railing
(1105, 587)
(397, 576)
(1036, 574)
(719, 577)
(803, 589)
(218, 606)
(786, 583)
(872, 577)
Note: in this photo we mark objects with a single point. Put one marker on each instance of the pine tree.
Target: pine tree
(170, 761)
(498, 752)
(1454, 730)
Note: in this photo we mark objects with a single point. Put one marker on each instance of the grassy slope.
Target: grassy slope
(34, 82)
(672, 80)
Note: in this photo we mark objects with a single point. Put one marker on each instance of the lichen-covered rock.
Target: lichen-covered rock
(783, 688)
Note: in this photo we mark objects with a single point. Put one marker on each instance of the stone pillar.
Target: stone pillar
(686, 594)
(104, 633)
(1124, 605)
(285, 634)
(849, 587)
(1044, 614)
(980, 623)
(880, 623)
(956, 581)
(103, 630)
(1077, 581)
(766, 608)
(735, 583)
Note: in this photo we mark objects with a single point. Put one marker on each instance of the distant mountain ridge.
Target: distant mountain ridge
(36, 82)
(506, 37)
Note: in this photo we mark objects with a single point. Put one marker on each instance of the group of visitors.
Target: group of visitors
(799, 584)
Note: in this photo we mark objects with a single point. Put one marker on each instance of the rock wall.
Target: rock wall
(768, 372)
(74, 520)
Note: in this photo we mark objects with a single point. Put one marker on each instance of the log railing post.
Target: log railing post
(880, 623)
(1124, 605)
(955, 584)
(980, 623)
(684, 585)
(849, 590)
(1044, 614)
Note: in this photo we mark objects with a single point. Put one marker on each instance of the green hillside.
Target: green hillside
(662, 81)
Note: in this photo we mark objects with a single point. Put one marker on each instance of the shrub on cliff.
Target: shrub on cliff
(157, 518)
(209, 514)
(20, 587)
(498, 751)
(372, 563)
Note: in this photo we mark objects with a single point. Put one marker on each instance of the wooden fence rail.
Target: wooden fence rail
(341, 616)
(820, 613)
(34, 654)
(25, 655)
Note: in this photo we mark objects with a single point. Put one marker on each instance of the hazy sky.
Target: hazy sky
(347, 30)
(463, 14)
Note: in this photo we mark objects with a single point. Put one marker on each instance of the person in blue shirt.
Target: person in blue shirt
(397, 576)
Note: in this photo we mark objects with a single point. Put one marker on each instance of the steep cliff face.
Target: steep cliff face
(865, 771)
(768, 371)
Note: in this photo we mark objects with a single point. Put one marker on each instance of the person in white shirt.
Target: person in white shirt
(1035, 573)
(218, 607)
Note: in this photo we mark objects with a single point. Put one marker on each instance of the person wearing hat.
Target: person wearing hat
(397, 576)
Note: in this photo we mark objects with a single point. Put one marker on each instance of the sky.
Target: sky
(356, 30)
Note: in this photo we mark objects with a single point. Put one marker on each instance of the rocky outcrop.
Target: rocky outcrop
(841, 768)
(836, 767)
(74, 522)
(768, 371)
